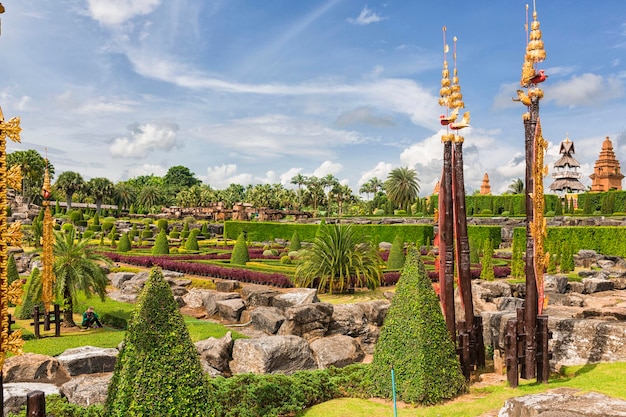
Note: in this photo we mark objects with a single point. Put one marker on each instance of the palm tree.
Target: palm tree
(124, 194)
(100, 188)
(339, 258)
(70, 182)
(77, 268)
(402, 186)
(299, 180)
(33, 167)
(342, 194)
(516, 187)
(328, 182)
(315, 189)
(150, 196)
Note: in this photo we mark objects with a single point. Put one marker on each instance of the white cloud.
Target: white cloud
(285, 177)
(366, 17)
(145, 169)
(221, 176)
(380, 171)
(99, 106)
(115, 12)
(363, 116)
(585, 90)
(328, 167)
(145, 138)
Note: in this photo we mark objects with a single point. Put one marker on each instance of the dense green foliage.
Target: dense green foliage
(240, 254)
(486, 270)
(339, 258)
(191, 243)
(415, 341)
(12, 273)
(32, 296)
(124, 243)
(396, 254)
(158, 371)
(294, 243)
(161, 245)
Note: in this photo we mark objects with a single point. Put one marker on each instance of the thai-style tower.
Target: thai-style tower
(485, 187)
(607, 174)
(566, 175)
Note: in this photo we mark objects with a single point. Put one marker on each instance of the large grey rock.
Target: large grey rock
(32, 367)
(267, 319)
(492, 289)
(88, 360)
(337, 351)
(567, 404)
(227, 285)
(15, 394)
(88, 389)
(195, 297)
(593, 285)
(584, 341)
(271, 354)
(569, 300)
(213, 297)
(508, 303)
(216, 352)
(308, 320)
(555, 283)
(494, 327)
(349, 320)
(258, 295)
(295, 297)
(586, 258)
(118, 278)
(375, 311)
(230, 309)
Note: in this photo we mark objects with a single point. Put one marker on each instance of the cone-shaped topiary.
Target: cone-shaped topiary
(124, 244)
(162, 224)
(320, 227)
(192, 242)
(240, 254)
(185, 233)
(96, 219)
(32, 297)
(161, 245)
(204, 231)
(12, 273)
(294, 244)
(396, 254)
(486, 271)
(415, 341)
(158, 371)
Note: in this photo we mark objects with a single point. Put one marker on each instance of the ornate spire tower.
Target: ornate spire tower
(607, 174)
(47, 278)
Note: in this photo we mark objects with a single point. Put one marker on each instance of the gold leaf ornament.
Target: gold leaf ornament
(15, 292)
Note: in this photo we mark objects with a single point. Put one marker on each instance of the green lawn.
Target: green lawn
(604, 378)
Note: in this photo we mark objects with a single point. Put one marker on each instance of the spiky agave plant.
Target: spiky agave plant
(339, 258)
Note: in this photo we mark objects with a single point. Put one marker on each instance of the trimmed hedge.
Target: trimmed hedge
(240, 253)
(161, 245)
(396, 254)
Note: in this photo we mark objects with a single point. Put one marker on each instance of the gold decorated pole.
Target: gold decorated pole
(535, 147)
(9, 236)
(48, 277)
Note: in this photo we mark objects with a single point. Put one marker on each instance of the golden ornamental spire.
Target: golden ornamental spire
(47, 277)
(535, 53)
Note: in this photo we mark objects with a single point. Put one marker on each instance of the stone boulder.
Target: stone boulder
(213, 297)
(258, 295)
(271, 354)
(215, 353)
(555, 283)
(267, 319)
(337, 351)
(32, 367)
(349, 320)
(15, 394)
(564, 403)
(593, 285)
(295, 297)
(488, 290)
(227, 285)
(375, 311)
(118, 278)
(508, 303)
(307, 320)
(88, 360)
(87, 389)
(230, 309)
(195, 297)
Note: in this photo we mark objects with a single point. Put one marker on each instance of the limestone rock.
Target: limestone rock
(231, 309)
(118, 278)
(308, 320)
(295, 297)
(267, 319)
(227, 285)
(212, 297)
(88, 389)
(258, 295)
(349, 320)
(375, 311)
(195, 297)
(593, 285)
(555, 404)
(215, 353)
(555, 283)
(337, 351)
(271, 354)
(32, 367)
(88, 360)
(510, 304)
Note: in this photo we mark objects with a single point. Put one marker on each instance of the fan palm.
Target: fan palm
(339, 258)
(516, 187)
(402, 186)
(77, 267)
(100, 188)
(70, 182)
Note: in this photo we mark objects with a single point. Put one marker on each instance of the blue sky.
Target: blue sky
(252, 92)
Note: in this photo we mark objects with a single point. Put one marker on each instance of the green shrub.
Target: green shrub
(12, 273)
(486, 212)
(550, 213)
(162, 224)
(240, 254)
(89, 234)
(147, 221)
(286, 260)
(415, 341)
(146, 233)
(66, 227)
(161, 245)
(294, 243)
(124, 244)
(76, 215)
(107, 226)
(486, 271)
(32, 295)
(192, 242)
(113, 235)
(379, 212)
(96, 220)
(158, 370)
(396, 254)
(94, 227)
(505, 213)
(567, 258)
(174, 234)
(185, 231)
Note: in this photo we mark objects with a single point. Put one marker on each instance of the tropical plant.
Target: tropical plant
(151, 196)
(77, 267)
(339, 258)
(179, 177)
(415, 343)
(124, 195)
(299, 180)
(33, 167)
(240, 254)
(100, 188)
(32, 296)
(158, 370)
(516, 187)
(402, 186)
(69, 182)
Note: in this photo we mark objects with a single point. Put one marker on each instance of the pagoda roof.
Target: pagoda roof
(567, 184)
(566, 160)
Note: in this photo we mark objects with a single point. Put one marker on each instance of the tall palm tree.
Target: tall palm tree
(299, 180)
(70, 182)
(402, 186)
(328, 182)
(150, 196)
(342, 194)
(338, 259)
(100, 188)
(124, 194)
(77, 267)
(316, 190)
(516, 187)
(33, 167)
